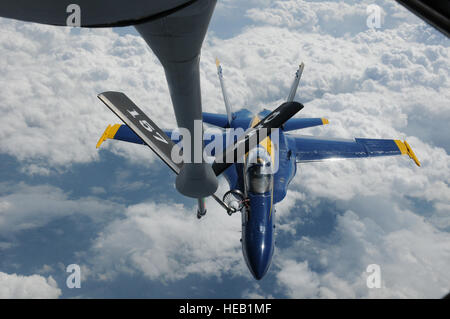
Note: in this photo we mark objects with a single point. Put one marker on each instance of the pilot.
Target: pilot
(259, 175)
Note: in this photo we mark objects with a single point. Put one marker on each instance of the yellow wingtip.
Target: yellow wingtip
(325, 121)
(405, 149)
(110, 132)
(411, 154)
(401, 146)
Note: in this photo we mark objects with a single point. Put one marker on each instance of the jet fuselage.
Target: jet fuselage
(263, 184)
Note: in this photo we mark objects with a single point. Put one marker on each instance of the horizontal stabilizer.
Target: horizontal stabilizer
(220, 120)
(298, 124)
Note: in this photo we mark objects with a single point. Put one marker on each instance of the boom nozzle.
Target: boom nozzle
(196, 180)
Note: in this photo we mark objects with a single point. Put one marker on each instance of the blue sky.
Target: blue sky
(116, 213)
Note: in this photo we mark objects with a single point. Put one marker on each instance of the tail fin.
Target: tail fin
(298, 76)
(140, 124)
(224, 93)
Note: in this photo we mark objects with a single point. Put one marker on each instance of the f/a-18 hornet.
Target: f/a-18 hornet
(258, 164)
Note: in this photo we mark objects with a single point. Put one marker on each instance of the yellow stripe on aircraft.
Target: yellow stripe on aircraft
(411, 154)
(405, 149)
(267, 142)
(109, 133)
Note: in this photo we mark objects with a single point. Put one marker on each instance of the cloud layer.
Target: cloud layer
(27, 287)
(338, 217)
(24, 207)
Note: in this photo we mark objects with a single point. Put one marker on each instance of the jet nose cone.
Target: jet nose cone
(259, 262)
(258, 274)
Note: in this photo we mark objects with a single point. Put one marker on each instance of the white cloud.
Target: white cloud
(13, 286)
(24, 207)
(51, 77)
(96, 190)
(5, 245)
(45, 269)
(298, 279)
(413, 257)
(166, 242)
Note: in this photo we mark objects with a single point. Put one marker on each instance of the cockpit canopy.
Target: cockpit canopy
(258, 171)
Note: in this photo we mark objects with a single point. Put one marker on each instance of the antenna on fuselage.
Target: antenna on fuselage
(224, 92)
(298, 76)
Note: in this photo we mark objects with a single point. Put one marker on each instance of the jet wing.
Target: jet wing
(311, 149)
(140, 129)
(122, 132)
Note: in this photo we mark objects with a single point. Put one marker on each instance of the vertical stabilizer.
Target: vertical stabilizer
(224, 92)
(298, 76)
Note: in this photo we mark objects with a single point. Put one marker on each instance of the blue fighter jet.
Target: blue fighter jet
(260, 176)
